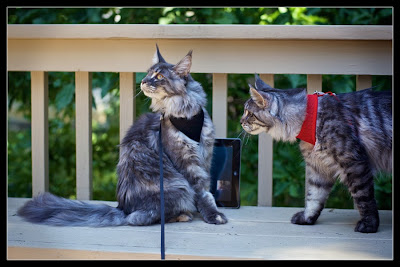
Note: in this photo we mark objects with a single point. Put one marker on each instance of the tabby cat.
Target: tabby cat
(178, 103)
(353, 139)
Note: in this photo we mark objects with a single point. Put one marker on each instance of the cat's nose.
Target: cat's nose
(145, 79)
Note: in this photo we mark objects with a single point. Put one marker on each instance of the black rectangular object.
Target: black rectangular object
(225, 172)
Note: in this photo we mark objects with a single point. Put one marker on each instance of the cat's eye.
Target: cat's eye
(160, 76)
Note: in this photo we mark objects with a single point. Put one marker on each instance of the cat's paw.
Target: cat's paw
(367, 225)
(299, 218)
(216, 218)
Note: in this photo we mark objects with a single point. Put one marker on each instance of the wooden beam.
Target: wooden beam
(127, 102)
(209, 56)
(40, 132)
(265, 160)
(219, 104)
(141, 31)
(83, 109)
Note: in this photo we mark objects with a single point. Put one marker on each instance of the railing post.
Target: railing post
(83, 109)
(127, 102)
(314, 83)
(265, 160)
(40, 132)
(363, 82)
(219, 104)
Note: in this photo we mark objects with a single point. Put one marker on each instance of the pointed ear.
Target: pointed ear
(183, 66)
(260, 84)
(157, 57)
(260, 101)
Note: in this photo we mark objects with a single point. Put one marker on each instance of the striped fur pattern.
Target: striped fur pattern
(354, 140)
(187, 163)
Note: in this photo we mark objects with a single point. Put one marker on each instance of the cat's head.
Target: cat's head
(172, 89)
(277, 112)
(164, 79)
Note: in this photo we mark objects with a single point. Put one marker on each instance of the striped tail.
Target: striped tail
(52, 210)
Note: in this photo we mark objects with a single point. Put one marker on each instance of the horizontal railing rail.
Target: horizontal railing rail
(218, 49)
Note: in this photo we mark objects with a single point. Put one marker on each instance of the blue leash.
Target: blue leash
(160, 149)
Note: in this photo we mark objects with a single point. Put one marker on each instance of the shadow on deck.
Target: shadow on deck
(251, 233)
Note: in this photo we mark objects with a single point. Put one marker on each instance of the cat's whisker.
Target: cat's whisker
(138, 93)
(248, 137)
(243, 131)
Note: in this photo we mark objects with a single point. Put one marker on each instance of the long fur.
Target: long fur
(354, 140)
(186, 162)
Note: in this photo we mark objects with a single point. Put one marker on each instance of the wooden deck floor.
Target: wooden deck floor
(251, 233)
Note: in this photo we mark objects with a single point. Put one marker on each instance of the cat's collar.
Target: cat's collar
(307, 132)
(308, 129)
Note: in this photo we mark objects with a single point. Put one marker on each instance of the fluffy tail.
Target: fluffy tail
(52, 210)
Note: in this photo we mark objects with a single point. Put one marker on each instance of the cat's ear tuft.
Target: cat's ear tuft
(157, 57)
(260, 84)
(183, 66)
(257, 98)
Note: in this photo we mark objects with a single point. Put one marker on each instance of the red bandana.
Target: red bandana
(307, 132)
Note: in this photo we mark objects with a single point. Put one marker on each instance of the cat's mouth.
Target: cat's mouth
(152, 91)
(147, 89)
(253, 129)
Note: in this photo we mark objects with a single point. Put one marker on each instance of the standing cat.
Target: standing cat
(188, 139)
(353, 139)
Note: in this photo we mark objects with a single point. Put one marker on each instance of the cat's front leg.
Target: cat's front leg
(204, 200)
(318, 189)
(205, 203)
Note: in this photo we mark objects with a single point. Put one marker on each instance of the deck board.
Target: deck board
(251, 233)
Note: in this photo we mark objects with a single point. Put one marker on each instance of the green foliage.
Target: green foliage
(288, 166)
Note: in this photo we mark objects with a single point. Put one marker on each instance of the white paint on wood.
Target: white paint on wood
(40, 132)
(127, 102)
(209, 56)
(141, 31)
(219, 104)
(265, 160)
(83, 124)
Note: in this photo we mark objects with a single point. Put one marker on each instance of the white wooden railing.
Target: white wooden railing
(218, 49)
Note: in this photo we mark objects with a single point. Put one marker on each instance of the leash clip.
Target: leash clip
(322, 93)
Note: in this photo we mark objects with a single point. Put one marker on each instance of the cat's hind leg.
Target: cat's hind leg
(183, 217)
(318, 189)
(142, 217)
(361, 185)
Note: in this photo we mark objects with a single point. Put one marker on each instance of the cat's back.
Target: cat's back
(142, 129)
(368, 100)
(365, 115)
(362, 105)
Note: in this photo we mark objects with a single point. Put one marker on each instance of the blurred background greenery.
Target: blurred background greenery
(288, 166)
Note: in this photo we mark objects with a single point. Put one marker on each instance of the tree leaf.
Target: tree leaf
(64, 97)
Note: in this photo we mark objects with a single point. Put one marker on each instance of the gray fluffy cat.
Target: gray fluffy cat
(353, 140)
(187, 162)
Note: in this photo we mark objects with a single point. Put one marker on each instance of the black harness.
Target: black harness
(190, 127)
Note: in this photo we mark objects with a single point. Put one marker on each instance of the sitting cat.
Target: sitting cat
(351, 138)
(187, 138)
